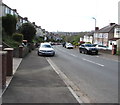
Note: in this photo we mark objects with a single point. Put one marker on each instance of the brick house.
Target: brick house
(105, 35)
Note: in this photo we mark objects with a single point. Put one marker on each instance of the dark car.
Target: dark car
(88, 49)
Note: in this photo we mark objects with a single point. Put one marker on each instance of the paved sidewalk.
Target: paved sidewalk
(35, 81)
(109, 56)
(16, 63)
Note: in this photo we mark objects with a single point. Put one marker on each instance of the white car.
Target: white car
(46, 49)
(69, 46)
(101, 47)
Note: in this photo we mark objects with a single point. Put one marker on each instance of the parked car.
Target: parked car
(88, 49)
(101, 47)
(69, 46)
(46, 49)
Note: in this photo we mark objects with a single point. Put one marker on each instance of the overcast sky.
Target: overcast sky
(67, 15)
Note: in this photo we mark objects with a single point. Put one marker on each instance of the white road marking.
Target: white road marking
(92, 62)
(97, 56)
(74, 94)
(52, 64)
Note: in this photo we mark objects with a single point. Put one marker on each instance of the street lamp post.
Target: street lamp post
(95, 21)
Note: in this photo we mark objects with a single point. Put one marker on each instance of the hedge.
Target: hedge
(17, 37)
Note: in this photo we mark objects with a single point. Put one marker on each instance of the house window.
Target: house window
(6, 10)
(117, 32)
(9, 11)
(95, 35)
(100, 35)
(20, 20)
(12, 12)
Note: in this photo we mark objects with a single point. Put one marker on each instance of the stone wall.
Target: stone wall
(106, 51)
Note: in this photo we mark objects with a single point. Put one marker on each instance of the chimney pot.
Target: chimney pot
(112, 24)
(96, 28)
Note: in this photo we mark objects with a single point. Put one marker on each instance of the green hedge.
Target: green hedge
(118, 52)
(17, 37)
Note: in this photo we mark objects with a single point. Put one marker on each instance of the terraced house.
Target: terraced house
(108, 35)
(20, 20)
(7, 10)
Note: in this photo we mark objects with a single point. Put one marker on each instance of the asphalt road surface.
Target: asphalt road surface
(95, 76)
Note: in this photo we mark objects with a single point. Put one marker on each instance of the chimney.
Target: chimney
(33, 23)
(112, 24)
(39, 27)
(26, 18)
(15, 10)
(96, 28)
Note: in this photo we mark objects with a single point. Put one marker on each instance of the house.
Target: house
(107, 35)
(88, 37)
(20, 20)
(116, 38)
(7, 10)
(39, 32)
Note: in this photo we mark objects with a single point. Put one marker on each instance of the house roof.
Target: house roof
(108, 28)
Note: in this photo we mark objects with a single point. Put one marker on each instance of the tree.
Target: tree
(28, 31)
(9, 24)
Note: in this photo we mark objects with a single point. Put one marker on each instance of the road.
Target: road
(95, 76)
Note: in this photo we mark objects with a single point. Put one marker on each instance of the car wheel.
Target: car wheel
(85, 52)
(38, 54)
(53, 54)
(80, 51)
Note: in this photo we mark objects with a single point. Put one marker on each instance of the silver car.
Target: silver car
(46, 49)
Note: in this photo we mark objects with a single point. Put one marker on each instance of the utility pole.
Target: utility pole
(95, 21)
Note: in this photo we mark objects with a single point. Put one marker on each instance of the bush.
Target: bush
(88, 42)
(9, 24)
(118, 52)
(17, 37)
(9, 40)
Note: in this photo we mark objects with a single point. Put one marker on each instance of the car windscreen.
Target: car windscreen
(89, 45)
(46, 46)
